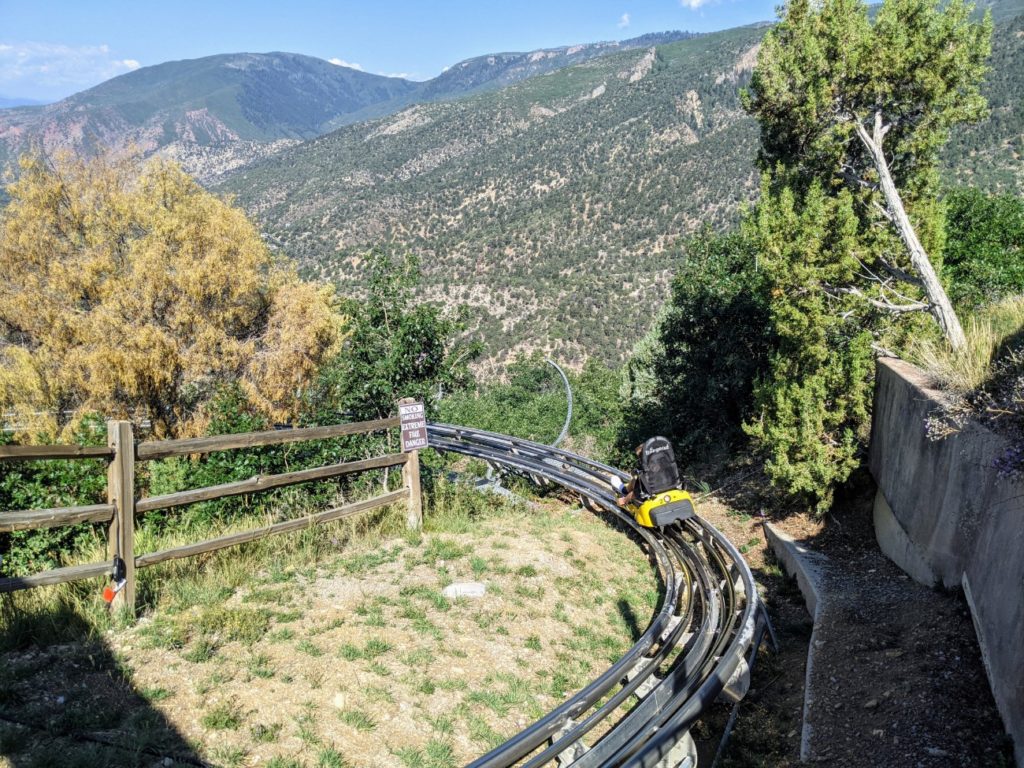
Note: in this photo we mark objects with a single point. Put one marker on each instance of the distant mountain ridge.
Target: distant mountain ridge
(555, 205)
(215, 100)
(7, 102)
(217, 112)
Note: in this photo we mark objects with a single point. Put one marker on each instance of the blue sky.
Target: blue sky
(52, 48)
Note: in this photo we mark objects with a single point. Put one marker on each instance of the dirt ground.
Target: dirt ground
(898, 666)
(360, 661)
(767, 728)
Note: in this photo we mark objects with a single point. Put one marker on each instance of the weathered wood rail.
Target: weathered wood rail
(122, 507)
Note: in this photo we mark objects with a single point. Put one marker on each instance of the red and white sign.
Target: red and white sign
(414, 426)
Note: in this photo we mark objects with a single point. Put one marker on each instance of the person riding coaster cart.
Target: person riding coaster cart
(655, 495)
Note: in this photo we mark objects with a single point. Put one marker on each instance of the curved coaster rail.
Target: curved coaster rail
(699, 646)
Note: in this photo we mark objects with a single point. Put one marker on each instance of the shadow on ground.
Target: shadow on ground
(69, 702)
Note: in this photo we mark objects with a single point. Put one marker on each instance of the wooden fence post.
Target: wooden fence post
(413, 428)
(121, 493)
(411, 480)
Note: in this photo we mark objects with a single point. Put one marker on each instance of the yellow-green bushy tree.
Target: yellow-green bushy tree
(134, 293)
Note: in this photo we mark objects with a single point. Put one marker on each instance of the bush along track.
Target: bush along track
(698, 648)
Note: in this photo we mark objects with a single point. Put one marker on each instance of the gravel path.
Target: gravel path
(897, 678)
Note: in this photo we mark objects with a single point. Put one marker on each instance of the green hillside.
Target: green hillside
(991, 154)
(554, 205)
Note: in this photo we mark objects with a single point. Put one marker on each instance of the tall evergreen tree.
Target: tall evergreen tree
(853, 113)
(866, 106)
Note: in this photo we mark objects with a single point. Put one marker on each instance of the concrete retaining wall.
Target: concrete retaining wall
(944, 516)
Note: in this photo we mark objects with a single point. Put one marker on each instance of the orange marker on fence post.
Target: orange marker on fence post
(121, 493)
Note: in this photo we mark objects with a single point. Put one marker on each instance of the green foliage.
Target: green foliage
(708, 347)
(397, 347)
(984, 258)
(825, 75)
(987, 154)
(812, 404)
(826, 67)
(531, 403)
(47, 484)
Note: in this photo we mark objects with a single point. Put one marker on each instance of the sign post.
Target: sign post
(412, 416)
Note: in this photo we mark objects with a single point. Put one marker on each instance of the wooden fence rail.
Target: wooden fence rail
(30, 452)
(32, 519)
(122, 453)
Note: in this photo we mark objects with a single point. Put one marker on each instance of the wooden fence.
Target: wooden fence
(122, 507)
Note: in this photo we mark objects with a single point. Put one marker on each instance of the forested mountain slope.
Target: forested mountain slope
(554, 204)
(990, 154)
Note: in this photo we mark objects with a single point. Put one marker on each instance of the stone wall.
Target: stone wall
(944, 516)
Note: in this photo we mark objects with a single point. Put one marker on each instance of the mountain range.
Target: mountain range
(548, 190)
(218, 112)
(552, 206)
(555, 207)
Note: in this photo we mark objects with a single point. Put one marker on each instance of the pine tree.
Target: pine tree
(866, 106)
(849, 227)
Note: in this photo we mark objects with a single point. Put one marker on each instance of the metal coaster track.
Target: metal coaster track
(699, 646)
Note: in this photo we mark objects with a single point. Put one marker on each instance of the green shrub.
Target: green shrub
(47, 484)
(984, 255)
(713, 340)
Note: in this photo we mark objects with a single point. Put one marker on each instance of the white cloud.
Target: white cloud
(624, 21)
(693, 5)
(342, 63)
(54, 70)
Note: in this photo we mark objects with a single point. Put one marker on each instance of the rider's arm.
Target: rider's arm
(630, 493)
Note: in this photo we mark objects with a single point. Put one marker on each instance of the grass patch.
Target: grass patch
(502, 692)
(309, 648)
(437, 754)
(379, 694)
(358, 719)
(481, 731)
(230, 757)
(987, 330)
(201, 650)
(265, 734)
(260, 666)
(243, 625)
(153, 695)
(269, 595)
(439, 548)
(432, 596)
(331, 758)
(284, 762)
(226, 716)
(306, 723)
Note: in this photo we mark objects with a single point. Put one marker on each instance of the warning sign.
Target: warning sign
(414, 426)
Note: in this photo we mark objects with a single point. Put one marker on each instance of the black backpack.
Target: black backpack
(658, 471)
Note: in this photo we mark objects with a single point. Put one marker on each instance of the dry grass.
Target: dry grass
(986, 332)
(337, 647)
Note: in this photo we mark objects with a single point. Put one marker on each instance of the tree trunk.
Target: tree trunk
(941, 308)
